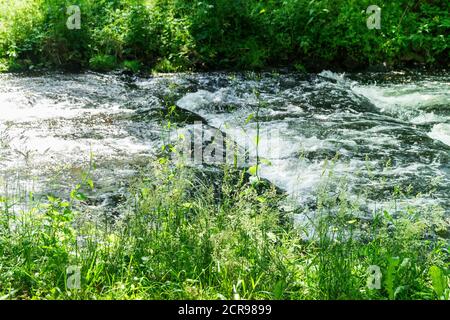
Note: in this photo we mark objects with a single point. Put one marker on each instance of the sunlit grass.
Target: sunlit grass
(181, 239)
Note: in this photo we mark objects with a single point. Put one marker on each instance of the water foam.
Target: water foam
(441, 132)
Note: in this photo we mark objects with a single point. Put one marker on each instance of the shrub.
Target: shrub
(103, 62)
(215, 34)
(132, 65)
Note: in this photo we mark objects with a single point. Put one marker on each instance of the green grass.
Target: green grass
(180, 238)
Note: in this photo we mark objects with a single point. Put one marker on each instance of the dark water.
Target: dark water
(382, 130)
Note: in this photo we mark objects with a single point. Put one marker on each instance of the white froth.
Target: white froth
(441, 132)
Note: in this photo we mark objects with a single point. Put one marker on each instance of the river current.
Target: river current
(376, 130)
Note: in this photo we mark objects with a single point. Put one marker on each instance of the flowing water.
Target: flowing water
(377, 131)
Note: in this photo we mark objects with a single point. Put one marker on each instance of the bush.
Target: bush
(132, 65)
(103, 62)
(178, 35)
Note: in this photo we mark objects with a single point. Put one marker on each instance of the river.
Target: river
(375, 130)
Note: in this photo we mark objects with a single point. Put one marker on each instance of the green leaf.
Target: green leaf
(253, 170)
(279, 289)
(261, 199)
(187, 205)
(439, 280)
(249, 118)
(80, 196)
(390, 276)
(90, 183)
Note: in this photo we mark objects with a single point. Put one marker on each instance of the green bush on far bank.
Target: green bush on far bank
(177, 35)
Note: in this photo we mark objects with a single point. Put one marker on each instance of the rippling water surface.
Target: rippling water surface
(387, 125)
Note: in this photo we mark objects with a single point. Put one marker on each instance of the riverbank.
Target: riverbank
(171, 243)
(171, 36)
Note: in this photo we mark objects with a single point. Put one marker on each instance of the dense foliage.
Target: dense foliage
(172, 243)
(173, 35)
